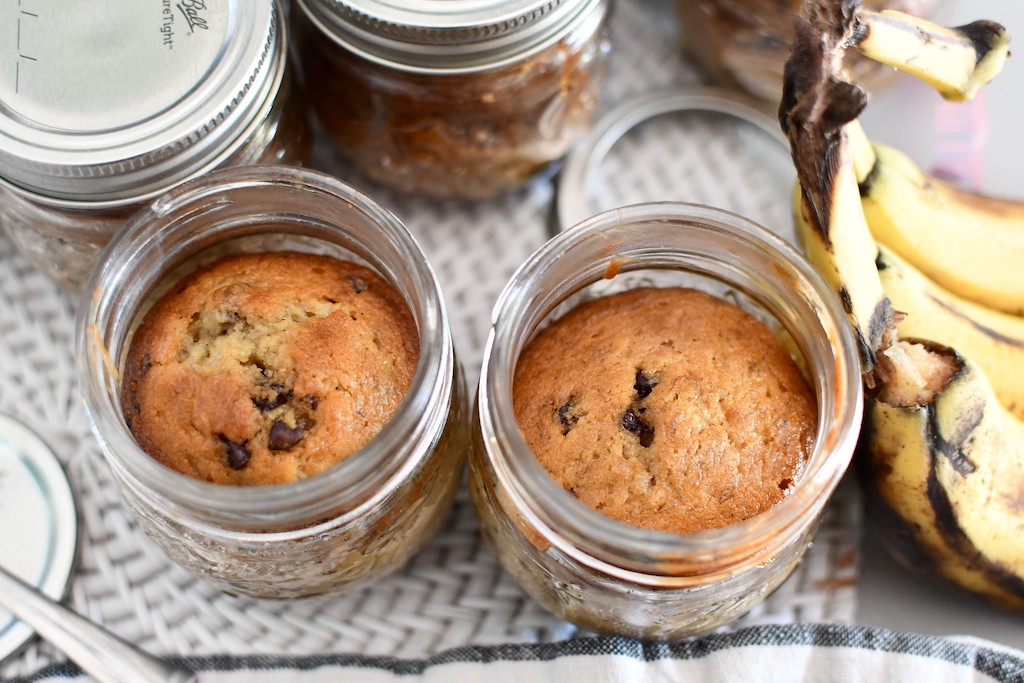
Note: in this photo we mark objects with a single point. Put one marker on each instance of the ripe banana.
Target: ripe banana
(971, 244)
(943, 464)
(828, 199)
(955, 61)
(993, 340)
(940, 459)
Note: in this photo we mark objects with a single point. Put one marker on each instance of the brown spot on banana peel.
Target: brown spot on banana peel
(882, 323)
(1015, 501)
(987, 331)
(953, 448)
(880, 263)
(865, 185)
(845, 300)
(881, 328)
(983, 34)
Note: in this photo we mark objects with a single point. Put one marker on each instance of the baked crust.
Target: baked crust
(666, 409)
(266, 368)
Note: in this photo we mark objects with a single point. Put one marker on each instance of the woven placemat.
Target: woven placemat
(453, 592)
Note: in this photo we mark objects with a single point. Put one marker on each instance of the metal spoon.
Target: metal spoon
(99, 652)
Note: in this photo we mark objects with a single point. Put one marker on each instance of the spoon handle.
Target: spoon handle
(100, 653)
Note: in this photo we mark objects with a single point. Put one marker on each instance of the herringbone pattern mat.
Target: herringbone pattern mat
(453, 592)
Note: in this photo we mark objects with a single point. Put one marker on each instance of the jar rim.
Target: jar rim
(353, 484)
(615, 547)
(449, 38)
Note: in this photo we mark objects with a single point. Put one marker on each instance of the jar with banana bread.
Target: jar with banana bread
(266, 362)
(744, 44)
(453, 99)
(103, 109)
(669, 395)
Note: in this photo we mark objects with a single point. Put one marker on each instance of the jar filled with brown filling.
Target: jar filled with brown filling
(745, 43)
(267, 364)
(453, 99)
(106, 109)
(669, 396)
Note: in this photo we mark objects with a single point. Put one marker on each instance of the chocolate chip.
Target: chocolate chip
(358, 284)
(311, 401)
(282, 437)
(280, 396)
(644, 384)
(567, 417)
(633, 423)
(238, 454)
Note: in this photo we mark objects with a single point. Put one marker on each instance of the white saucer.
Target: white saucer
(38, 523)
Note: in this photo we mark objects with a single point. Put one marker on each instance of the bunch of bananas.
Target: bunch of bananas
(927, 275)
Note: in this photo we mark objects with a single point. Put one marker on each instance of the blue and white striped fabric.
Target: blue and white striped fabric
(775, 653)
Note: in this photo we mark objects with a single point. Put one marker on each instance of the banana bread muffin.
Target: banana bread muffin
(266, 368)
(666, 409)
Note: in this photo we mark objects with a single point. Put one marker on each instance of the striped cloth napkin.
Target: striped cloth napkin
(773, 653)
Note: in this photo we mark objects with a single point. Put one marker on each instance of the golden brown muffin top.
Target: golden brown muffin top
(270, 367)
(666, 409)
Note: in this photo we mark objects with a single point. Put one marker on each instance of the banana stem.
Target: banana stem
(957, 62)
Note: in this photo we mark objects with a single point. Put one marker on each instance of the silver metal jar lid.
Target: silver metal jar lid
(699, 145)
(429, 35)
(38, 523)
(114, 101)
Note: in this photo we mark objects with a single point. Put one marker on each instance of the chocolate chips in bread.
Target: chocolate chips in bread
(666, 409)
(266, 368)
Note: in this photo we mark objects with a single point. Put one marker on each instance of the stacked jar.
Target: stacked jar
(108, 109)
(453, 99)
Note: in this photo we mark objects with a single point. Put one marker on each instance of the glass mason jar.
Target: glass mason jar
(453, 99)
(103, 116)
(745, 43)
(603, 574)
(334, 531)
